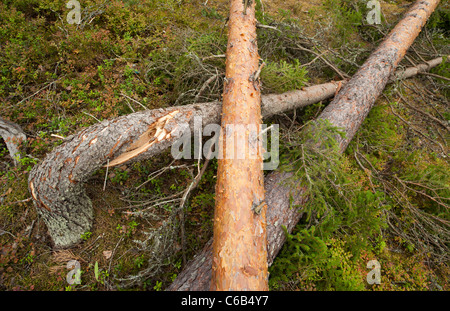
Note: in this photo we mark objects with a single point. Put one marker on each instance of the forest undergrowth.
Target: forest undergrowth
(386, 198)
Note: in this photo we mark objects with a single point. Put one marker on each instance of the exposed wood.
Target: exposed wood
(154, 134)
(197, 274)
(412, 71)
(13, 135)
(354, 101)
(239, 244)
(57, 182)
(347, 110)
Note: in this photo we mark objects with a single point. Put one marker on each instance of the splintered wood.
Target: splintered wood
(13, 136)
(155, 133)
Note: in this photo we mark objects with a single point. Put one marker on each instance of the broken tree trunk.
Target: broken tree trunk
(240, 247)
(13, 135)
(348, 110)
(57, 183)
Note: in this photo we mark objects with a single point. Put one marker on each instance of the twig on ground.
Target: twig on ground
(214, 56)
(6, 232)
(186, 194)
(106, 175)
(35, 93)
(423, 112)
(16, 202)
(366, 171)
(258, 25)
(204, 86)
(417, 131)
(88, 114)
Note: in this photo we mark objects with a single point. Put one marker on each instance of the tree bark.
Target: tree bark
(239, 244)
(348, 110)
(196, 276)
(56, 183)
(13, 135)
(354, 101)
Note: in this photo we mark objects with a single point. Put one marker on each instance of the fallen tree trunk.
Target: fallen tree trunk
(354, 101)
(239, 243)
(13, 135)
(347, 111)
(57, 183)
(196, 276)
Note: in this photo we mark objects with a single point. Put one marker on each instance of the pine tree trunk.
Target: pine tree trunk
(196, 276)
(348, 110)
(239, 244)
(57, 183)
(354, 101)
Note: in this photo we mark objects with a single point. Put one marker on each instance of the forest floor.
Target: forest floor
(58, 78)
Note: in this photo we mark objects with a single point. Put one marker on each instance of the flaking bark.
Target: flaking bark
(354, 101)
(196, 276)
(57, 183)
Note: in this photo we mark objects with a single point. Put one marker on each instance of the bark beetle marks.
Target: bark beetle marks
(155, 133)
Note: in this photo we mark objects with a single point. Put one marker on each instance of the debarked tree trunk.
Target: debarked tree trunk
(239, 243)
(196, 276)
(57, 182)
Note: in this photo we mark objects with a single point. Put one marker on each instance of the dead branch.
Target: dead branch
(57, 182)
